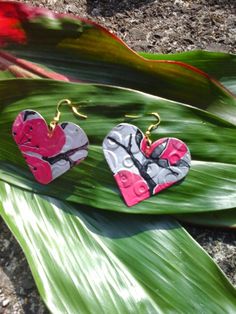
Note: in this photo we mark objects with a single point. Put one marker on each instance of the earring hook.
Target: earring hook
(74, 108)
(151, 127)
(155, 125)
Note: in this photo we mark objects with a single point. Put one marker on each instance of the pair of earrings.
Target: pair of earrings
(141, 168)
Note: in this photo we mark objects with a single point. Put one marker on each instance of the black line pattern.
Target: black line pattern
(141, 168)
(65, 156)
(153, 159)
(28, 113)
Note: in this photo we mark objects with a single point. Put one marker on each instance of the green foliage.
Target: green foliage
(208, 187)
(92, 261)
(88, 252)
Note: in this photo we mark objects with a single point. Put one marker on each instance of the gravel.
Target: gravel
(160, 26)
(154, 26)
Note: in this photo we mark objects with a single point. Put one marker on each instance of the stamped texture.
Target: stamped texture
(141, 170)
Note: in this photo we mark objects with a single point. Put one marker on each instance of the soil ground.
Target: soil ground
(147, 25)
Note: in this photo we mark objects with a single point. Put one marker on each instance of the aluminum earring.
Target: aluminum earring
(142, 168)
(50, 151)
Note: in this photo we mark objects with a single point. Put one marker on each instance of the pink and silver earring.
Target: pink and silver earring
(50, 151)
(142, 168)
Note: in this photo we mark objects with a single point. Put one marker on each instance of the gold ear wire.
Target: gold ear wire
(74, 108)
(150, 128)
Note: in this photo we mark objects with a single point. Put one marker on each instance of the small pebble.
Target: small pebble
(5, 302)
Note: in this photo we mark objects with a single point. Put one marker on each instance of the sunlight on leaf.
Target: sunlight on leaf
(83, 259)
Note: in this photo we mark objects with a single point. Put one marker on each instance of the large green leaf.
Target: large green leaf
(219, 65)
(82, 50)
(209, 186)
(85, 261)
(13, 67)
(223, 219)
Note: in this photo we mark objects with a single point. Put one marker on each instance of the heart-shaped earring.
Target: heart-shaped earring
(50, 151)
(142, 168)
